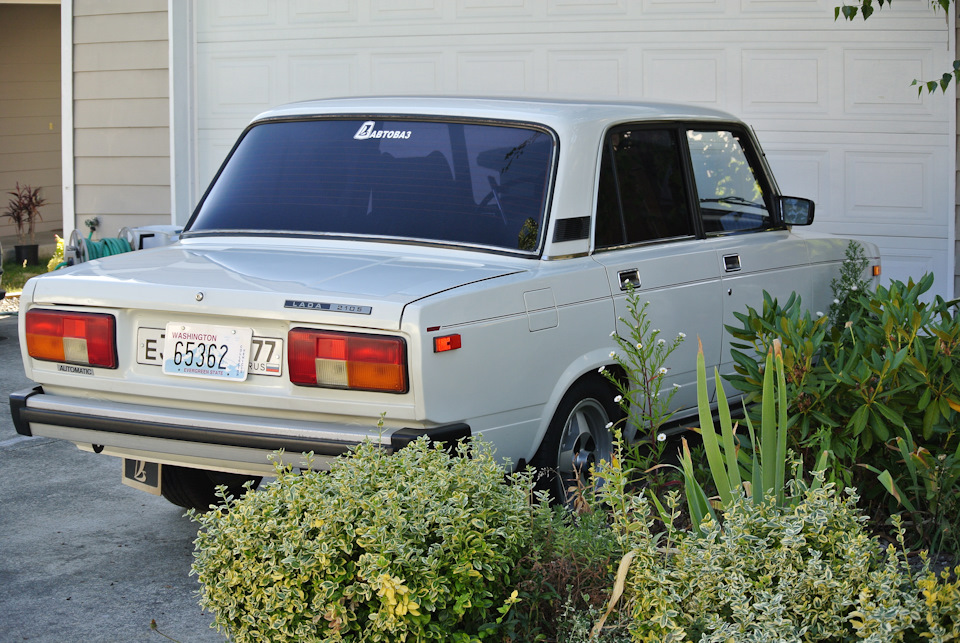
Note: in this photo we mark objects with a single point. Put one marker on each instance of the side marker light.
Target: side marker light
(446, 343)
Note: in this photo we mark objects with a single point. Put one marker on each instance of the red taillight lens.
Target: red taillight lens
(74, 338)
(347, 360)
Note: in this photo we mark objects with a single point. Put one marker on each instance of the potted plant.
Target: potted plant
(24, 210)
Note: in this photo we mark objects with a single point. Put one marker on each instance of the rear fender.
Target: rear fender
(587, 365)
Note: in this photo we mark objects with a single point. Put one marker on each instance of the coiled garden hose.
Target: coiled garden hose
(88, 249)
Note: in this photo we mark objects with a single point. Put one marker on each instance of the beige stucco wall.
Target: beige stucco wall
(30, 111)
(121, 113)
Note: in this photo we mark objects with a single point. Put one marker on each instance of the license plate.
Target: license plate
(207, 351)
(142, 475)
(266, 353)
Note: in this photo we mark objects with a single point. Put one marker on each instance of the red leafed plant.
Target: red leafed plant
(24, 210)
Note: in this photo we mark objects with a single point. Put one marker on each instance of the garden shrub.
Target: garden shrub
(890, 365)
(414, 546)
(865, 388)
(809, 571)
(566, 574)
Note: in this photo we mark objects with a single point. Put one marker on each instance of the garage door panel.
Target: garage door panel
(878, 81)
(785, 80)
(237, 86)
(406, 73)
(596, 73)
(323, 75)
(495, 72)
(895, 186)
(703, 71)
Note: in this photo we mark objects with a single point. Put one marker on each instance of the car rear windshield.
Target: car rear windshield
(449, 182)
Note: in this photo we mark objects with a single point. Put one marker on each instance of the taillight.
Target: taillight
(73, 338)
(347, 360)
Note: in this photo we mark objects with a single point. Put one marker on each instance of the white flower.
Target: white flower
(836, 301)
(676, 386)
(612, 354)
(819, 314)
(655, 331)
(682, 335)
(661, 437)
(609, 425)
(613, 333)
(601, 369)
(661, 342)
(662, 371)
(618, 399)
(639, 346)
(853, 287)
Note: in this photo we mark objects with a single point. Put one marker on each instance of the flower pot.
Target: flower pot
(29, 253)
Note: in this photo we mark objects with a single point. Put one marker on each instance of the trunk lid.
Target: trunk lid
(352, 286)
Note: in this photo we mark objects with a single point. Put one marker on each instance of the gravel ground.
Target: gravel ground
(10, 304)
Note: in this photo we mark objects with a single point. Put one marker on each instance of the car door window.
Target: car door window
(731, 195)
(641, 190)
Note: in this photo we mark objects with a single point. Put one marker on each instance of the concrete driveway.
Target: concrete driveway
(83, 557)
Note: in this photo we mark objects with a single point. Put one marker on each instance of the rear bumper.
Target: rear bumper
(169, 433)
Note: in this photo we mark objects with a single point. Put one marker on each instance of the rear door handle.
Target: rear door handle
(731, 263)
(629, 278)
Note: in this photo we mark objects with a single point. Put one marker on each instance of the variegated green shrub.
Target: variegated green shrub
(414, 546)
(808, 571)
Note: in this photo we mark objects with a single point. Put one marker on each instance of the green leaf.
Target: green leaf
(930, 417)
(768, 429)
(887, 481)
(710, 444)
(945, 81)
(890, 414)
(878, 426)
(726, 430)
(858, 421)
(849, 12)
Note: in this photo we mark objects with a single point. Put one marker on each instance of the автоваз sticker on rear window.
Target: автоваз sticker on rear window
(368, 130)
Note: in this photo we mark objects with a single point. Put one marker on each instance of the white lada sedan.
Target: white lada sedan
(387, 268)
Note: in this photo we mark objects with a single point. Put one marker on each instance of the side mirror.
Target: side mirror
(796, 211)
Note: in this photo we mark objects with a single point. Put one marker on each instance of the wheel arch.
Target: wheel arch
(586, 367)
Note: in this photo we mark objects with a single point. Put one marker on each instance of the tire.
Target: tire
(576, 438)
(197, 488)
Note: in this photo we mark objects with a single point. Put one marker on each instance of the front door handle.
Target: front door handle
(731, 263)
(629, 279)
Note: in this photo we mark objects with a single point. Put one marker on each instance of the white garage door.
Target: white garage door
(830, 101)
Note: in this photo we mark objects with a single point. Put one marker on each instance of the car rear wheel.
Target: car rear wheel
(197, 488)
(578, 437)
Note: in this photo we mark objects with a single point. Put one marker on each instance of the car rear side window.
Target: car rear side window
(641, 191)
(730, 193)
(448, 182)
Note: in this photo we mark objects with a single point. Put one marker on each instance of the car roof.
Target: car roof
(551, 112)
